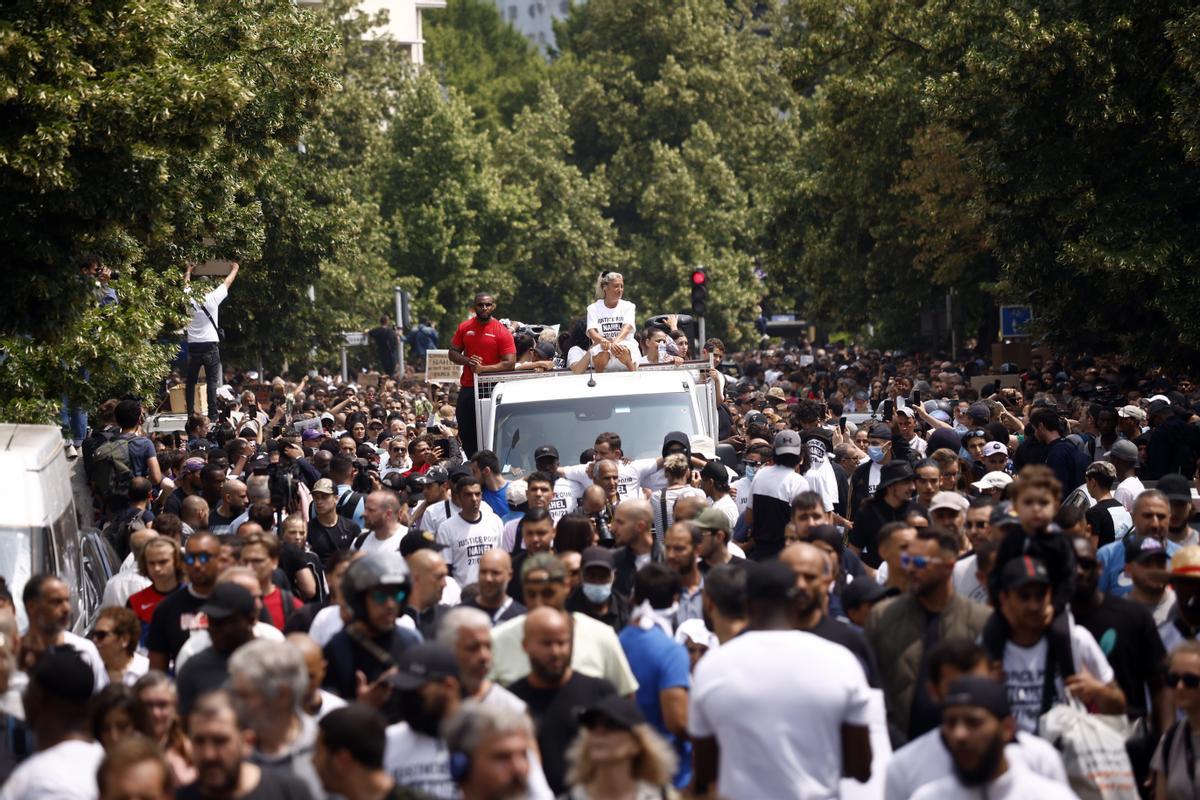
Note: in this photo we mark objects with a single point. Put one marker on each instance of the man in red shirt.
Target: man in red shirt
(480, 345)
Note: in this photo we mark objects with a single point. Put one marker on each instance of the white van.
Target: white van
(517, 412)
(39, 531)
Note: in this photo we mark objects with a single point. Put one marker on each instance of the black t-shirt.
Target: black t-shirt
(293, 560)
(1129, 638)
(275, 784)
(1102, 521)
(345, 656)
(836, 631)
(204, 672)
(173, 622)
(325, 541)
(174, 501)
(555, 714)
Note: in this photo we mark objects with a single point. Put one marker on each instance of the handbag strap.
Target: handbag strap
(211, 321)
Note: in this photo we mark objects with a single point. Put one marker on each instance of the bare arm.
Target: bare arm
(233, 271)
(856, 752)
(506, 365)
(457, 356)
(705, 753)
(674, 703)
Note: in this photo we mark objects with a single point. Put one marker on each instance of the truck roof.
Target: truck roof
(561, 384)
(33, 473)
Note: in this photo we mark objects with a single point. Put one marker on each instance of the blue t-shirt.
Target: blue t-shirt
(1113, 580)
(141, 450)
(498, 500)
(659, 662)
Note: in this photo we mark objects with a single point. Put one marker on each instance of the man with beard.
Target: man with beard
(903, 631)
(926, 759)
(428, 683)
(480, 345)
(977, 725)
(813, 570)
(220, 742)
(47, 602)
(553, 691)
(233, 503)
(178, 615)
(682, 544)
(496, 743)
(495, 574)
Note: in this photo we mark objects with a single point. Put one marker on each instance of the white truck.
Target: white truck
(518, 412)
(39, 531)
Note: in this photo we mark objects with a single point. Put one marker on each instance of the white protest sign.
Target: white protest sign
(439, 368)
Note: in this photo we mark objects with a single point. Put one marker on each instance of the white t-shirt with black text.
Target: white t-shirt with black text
(466, 542)
(1025, 674)
(629, 477)
(609, 321)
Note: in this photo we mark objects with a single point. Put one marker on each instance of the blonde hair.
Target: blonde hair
(603, 281)
(655, 762)
(676, 466)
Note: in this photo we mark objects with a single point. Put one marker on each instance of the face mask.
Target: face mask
(875, 454)
(597, 593)
(750, 470)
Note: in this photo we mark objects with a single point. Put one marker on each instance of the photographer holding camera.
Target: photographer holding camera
(204, 339)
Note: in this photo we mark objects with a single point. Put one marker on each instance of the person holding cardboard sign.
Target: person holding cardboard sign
(204, 339)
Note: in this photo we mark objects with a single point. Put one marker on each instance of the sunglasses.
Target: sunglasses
(972, 525)
(191, 558)
(920, 562)
(100, 636)
(976, 434)
(382, 595)
(1188, 679)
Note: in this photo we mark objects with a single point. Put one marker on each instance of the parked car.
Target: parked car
(39, 528)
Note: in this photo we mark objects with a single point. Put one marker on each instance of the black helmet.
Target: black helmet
(384, 568)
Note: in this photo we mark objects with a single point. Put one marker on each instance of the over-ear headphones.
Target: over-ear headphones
(460, 765)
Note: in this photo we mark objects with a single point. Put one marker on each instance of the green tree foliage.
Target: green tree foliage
(132, 129)
(442, 200)
(678, 105)
(470, 47)
(557, 238)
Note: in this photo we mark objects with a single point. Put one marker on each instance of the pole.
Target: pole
(400, 326)
(345, 366)
(950, 322)
(700, 330)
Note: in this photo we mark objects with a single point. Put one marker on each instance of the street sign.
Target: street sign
(354, 338)
(1014, 321)
(439, 368)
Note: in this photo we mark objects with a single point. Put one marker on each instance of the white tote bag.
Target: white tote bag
(1093, 752)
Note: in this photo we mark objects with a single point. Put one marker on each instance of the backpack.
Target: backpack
(120, 529)
(348, 504)
(112, 468)
(89, 447)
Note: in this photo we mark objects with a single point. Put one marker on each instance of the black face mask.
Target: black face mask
(415, 713)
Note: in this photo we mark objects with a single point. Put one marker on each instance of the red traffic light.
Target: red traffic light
(698, 277)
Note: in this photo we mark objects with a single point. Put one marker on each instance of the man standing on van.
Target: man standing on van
(480, 345)
(204, 340)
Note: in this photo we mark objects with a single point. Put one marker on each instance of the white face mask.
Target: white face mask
(597, 593)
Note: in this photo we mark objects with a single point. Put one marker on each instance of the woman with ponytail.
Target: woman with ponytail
(610, 324)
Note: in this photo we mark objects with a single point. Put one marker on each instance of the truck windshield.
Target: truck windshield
(572, 426)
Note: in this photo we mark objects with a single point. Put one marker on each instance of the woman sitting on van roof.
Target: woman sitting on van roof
(610, 324)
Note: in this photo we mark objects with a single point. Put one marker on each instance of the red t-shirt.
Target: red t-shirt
(144, 602)
(491, 342)
(273, 603)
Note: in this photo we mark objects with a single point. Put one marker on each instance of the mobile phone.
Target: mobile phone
(917, 396)
(842, 424)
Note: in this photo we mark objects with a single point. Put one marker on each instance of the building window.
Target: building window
(532, 10)
(512, 13)
(564, 7)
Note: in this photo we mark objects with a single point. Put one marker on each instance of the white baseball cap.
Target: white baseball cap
(993, 480)
(992, 448)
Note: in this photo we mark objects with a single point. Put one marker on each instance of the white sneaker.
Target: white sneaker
(72, 452)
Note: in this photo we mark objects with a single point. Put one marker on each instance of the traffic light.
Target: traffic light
(699, 292)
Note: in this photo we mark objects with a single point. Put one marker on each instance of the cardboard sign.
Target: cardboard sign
(439, 368)
(1006, 381)
(213, 268)
(368, 379)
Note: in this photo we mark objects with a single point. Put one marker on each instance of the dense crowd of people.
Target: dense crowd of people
(881, 582)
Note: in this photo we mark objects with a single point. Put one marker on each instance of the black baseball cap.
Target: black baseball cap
(597, 557)
(1022, 572)
(1177, 488)
(865, 590)
(416, 540)
(438, 474)
(1143, 548)
(614, 708)
(980, 692)
(422, 663)
(545, 451)
(228, 600)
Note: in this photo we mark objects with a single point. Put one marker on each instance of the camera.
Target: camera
(601, 519)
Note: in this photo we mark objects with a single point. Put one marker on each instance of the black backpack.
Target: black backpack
(348, 504)
(112, 468)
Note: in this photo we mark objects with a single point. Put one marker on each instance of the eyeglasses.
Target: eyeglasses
(382, 595)
(919, 562)
(191, 558)
(1188, 679)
